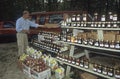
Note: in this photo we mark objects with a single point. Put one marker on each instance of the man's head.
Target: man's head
(26, 14)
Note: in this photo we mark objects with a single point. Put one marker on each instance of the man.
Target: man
(22, 27)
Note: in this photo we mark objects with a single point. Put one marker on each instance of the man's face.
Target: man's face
(27, 15)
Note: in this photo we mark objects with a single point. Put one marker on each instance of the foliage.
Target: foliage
(12, 9)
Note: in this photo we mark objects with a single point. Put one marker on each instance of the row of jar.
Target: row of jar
(87, 17)
(92, 24)
(83, 62)
(48, 45)
(92, 42)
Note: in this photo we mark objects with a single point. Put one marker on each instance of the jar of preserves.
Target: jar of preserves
(117, 73)
(95, 67)
(73, 18)
(99, 70)
(117, 45)
(106, 44)
(101, 43)
(73, 60)
(112, 44)
(78, 62)
(86, 63)
(78, 18)
(97, 44)
(81, 62)
(105, 70)
(110, 71)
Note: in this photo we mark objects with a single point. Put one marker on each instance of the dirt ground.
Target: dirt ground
(8, 62)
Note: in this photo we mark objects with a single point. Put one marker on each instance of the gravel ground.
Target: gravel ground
(8, 62)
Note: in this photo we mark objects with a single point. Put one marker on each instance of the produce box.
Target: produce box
(59, 73)
(117, 38)
(87, 76)
(46, 74)
(109, 36)
(26, 70)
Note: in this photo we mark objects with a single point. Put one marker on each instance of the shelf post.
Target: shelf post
(100, 34)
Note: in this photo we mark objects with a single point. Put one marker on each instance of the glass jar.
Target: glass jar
(85, 41)
(81, 62)
(79, 40)
(78, 18)
(103, 19)
(105, 70)
(86, 63)
(117, 45)
(78, 62)
(112, 44)
(84, 17)
(110, 71)
(91, 42)
(73, 18)
(73, 60)
(97, 44)
(99, 70)
(117, 73)
(101, 43)
(106, 44)
(95, 67)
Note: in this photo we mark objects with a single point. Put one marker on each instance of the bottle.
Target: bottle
(115, 19)
(110, 71)
(91, 42)
(78, 62)
(73, 60)
(117, 73)
(78, 18)
(95, 67)
(101, 43)
(106, 44)
(112, 44)
(105, 70)
(99, 70)
(81, 62)
(96, 43)
(86, 63)
(79, 40)
(103, 19)
(117, 45)
(73, 18)
(66, 58)
(69, 59)
(85, 41)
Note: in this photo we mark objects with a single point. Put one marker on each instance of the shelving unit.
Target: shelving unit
(87, 70)
(87, 47)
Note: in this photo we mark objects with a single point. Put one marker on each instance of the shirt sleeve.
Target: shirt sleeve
(33, 24)
(18, 26)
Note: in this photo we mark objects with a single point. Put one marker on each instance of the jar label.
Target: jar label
(73, 62)
(117, 46)
(99, 70)
(78, 19)
(96, 44)
(101, 45)
(73, 19)
(108, 25)
(81, 65)
(84, 18)
(115, 25)
(117, 76)
(104, 72)
(99, 25)
(79, 41)
(77, 63)
(111, 17)
(114, 18)
(110, 74)
(86, 66)
(102, 19)
(112, 46)
(69, 61)
(106, 45)
(91, 25)
(94, 69)
(81, 24)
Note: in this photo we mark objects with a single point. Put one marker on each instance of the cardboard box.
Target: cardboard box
(87, 76)
(109, 36)
(117, 38)
(82, 35)
(51, 25)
